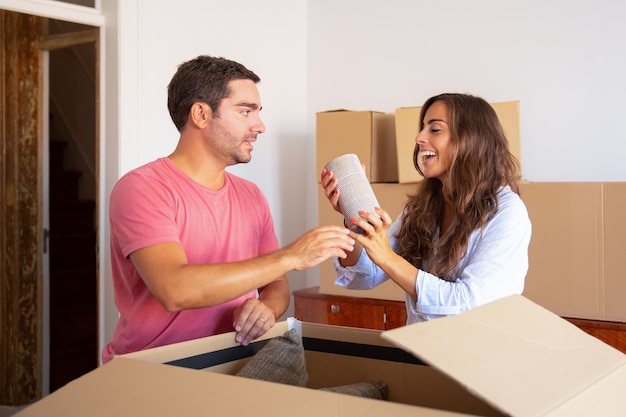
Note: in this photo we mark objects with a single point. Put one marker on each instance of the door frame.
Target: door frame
(92, 17)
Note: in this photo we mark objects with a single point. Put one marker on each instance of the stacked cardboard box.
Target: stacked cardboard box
(368, 134)
(384, 142)
(577, 264)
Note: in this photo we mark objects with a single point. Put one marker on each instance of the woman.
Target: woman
(462, 238)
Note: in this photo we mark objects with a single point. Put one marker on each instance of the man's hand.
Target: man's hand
(251, 320)
(319, 244)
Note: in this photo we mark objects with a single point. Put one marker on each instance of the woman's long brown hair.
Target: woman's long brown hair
(481, 165)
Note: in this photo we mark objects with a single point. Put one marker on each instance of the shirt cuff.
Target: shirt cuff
(352, 276)
(428, 300)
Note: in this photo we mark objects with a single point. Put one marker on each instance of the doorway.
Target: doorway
(71, 96)
(49, 136)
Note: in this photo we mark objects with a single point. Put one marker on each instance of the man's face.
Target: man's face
(234, 129)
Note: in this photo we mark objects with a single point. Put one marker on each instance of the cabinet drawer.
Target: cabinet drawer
(340, 313)
(314, 307)
(367, 316)
(395, 315)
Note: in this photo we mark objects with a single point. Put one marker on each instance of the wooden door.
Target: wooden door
(21, 231)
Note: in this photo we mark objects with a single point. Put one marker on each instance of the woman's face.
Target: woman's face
(434, 141)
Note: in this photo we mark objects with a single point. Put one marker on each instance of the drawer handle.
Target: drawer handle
(334, 308)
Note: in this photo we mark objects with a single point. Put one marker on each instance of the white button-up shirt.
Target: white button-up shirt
(494, 266)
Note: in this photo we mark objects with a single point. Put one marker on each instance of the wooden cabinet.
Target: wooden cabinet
(611, 333)
(369, 313)
(312, 306)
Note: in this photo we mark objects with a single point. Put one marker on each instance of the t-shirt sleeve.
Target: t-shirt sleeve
(141, 213)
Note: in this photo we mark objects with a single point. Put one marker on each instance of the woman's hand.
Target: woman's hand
(376, 243)
(329, 184)
(374, 237)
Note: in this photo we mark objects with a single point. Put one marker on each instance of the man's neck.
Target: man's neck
(200, 168)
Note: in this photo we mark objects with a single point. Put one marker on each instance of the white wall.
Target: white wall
(268, 38)
(564, 60)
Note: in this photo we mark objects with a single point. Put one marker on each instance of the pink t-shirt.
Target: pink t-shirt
(158, 203)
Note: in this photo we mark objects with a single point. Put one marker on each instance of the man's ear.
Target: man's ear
(200, 114)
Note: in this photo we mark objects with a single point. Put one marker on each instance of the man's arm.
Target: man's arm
(178, 285)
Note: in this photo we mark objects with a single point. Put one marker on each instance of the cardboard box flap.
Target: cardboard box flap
(605, 398)
(130, 388)
(516, 355)
(191, 348)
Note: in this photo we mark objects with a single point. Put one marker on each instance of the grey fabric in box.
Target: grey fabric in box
(368, 389)
(281, 360)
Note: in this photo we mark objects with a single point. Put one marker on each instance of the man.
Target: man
(191, 244)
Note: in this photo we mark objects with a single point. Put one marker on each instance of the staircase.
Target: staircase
(73, 275)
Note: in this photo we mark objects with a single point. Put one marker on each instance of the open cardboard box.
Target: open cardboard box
(509, 357)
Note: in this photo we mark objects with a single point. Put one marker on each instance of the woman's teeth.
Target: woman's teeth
(427, 154)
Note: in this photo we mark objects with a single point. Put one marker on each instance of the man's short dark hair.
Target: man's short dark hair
(203, 79)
